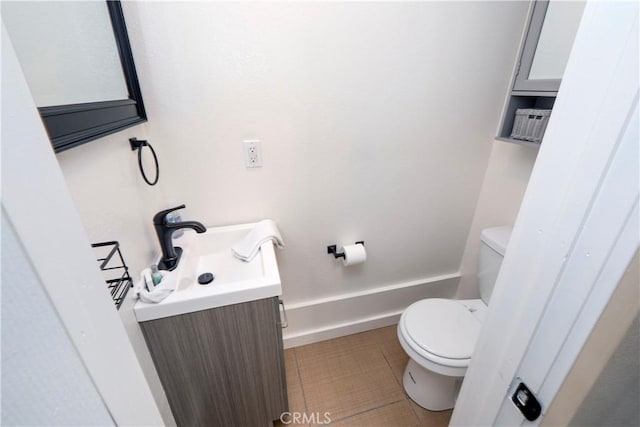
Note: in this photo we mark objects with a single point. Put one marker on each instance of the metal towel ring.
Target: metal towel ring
(137, 145)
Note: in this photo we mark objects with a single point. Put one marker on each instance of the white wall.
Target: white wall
(503, 188)
(376, 121)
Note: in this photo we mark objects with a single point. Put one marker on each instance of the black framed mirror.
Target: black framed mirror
(79, 98)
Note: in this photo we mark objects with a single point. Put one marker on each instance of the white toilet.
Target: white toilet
(439, 335)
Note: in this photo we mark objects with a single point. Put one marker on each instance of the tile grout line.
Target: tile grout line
(413, 409)
(390, 367)
(304, 397)
(369, 410)
(401, 385)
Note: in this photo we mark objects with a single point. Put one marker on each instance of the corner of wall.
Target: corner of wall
(502, 191)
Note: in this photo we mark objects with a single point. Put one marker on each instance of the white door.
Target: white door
(577, 229)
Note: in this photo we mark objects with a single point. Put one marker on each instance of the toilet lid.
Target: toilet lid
(442, 327)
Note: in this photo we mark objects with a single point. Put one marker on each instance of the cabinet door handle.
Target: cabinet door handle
(284, 323)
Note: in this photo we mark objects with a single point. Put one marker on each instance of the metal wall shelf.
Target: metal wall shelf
(115, 270)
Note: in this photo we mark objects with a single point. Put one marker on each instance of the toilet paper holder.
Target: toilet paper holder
(333, 249)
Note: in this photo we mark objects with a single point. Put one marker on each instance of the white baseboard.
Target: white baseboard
(325, 318)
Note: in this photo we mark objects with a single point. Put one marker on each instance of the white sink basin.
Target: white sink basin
(235, 281)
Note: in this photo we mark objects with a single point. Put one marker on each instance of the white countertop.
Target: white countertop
(235, 281)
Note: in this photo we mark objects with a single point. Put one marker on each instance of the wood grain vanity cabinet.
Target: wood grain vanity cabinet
(222, 366)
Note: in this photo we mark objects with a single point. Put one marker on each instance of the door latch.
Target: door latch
(526, 402)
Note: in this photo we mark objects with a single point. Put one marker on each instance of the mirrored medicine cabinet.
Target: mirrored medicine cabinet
(78, 64)
(551, 30)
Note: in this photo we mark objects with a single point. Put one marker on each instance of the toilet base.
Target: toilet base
(430, 390)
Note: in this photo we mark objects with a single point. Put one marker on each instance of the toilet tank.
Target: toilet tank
(493, 244)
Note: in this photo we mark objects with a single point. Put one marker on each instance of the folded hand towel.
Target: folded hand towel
(158, 293)
(247, 248)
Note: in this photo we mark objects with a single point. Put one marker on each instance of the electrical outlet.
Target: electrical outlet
(252, 153)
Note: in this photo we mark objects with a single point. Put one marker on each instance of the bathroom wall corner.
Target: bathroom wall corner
(503, 189)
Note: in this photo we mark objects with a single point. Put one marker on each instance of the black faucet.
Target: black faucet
(164, 230)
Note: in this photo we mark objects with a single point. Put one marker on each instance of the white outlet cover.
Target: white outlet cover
(252, 153)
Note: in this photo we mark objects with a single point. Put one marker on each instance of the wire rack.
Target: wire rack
(114, 269)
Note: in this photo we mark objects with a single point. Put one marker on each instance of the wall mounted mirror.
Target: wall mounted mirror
(78, 63)
(549, 41)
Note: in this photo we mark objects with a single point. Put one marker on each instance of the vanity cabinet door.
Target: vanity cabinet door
(223, 366)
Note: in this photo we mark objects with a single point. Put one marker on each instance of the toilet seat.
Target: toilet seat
(441, 332)
(442, 327)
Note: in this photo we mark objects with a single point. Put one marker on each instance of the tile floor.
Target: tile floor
(357, 379)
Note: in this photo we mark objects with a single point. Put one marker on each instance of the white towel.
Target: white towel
(247, 248)
(160, 292)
